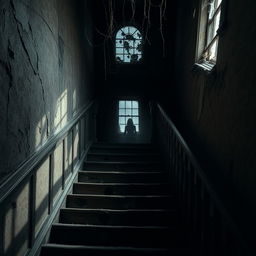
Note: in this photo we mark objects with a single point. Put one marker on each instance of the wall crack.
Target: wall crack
(7, 67)
(18, 25)
(35, 70)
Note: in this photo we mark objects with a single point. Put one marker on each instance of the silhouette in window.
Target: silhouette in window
(130, 129)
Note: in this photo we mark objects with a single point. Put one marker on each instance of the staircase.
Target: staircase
(122, 205)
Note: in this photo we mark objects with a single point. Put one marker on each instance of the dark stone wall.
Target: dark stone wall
(216, 112)
(46, 72)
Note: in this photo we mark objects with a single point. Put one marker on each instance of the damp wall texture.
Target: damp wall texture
(46, 67)
(216, 112)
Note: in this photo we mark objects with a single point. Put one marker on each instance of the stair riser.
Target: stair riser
(118, 218)
(122, 149)
(112, 236)
(103, 166)
(123, 178)
(119, 189)
(90, 252)
(93, 157)
(119, 203)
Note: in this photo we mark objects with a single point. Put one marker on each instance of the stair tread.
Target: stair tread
(122, 196)
(104, 247)
(119, 206)
(128, 145)
(123, 183)
(90, 226)
(114, 248)
(120, 162)
(124, 154)
(118, 172)
(116, 210)
(68, 250)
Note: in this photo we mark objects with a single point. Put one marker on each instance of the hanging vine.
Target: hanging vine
(109, 11)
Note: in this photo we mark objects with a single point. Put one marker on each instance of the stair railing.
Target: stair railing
(31, 197)
(213, 231)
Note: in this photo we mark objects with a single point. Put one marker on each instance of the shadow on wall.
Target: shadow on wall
(46, 64)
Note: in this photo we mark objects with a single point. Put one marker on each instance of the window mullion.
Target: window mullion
(210, 44)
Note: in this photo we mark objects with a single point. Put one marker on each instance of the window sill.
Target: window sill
(205, 67)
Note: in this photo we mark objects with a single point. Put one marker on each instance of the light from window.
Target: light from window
(211, 10)
(128, 45)
(128, 109)
(213, 22)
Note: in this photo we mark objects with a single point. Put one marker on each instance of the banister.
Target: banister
(224, 211)
(26, 168)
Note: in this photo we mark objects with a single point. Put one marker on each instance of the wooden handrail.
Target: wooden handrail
(224, 211)
(26, 168)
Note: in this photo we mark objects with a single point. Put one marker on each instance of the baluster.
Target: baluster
(197, 210)
(189, 192)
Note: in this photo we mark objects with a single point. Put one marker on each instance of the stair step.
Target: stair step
(111, 217)
(76, 234)
(143, 146)
(77, 250)
(121, 188)
(122, 205)
(122, 166)
(131, 150)
(120, 202)
(121, 156)
(107, 176)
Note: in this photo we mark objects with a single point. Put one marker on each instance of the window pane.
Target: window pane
(135, 120)
(135, 112)
(119, 43)
(121, 112)
(127, 58)
(128, 112)
(119, 58)
(213, 51)
(119, 51)
(137, 128)
(122, 128)
(122, 120)
(128, 104)
(216, 24)
(121, 104)
(125, 30)
(135, 104)
(132, 30)
(218, 2)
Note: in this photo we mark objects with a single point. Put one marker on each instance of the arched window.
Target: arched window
(128, 45)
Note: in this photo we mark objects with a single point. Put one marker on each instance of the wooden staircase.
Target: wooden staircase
(121, 205)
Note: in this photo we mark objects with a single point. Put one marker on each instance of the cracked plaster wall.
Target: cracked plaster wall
(45, 73)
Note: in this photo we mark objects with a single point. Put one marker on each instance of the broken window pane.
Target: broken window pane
(128, 45)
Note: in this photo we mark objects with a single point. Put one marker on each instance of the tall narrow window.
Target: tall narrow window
(128, 109)
(128, 45)
(208, 32)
